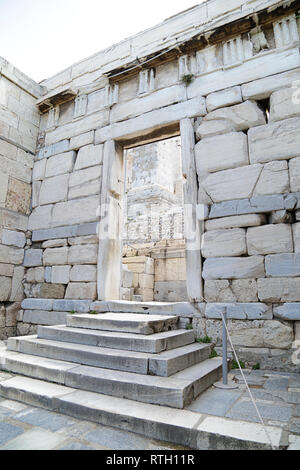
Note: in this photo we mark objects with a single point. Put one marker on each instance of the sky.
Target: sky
(43, 37)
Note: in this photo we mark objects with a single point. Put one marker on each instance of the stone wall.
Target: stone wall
(229, 71)
(19, 126)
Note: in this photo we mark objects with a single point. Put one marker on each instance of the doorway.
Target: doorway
(153, 255)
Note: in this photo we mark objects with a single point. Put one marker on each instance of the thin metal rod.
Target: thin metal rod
(224, 335)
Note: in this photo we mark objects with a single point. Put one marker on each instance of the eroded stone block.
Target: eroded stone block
(81, 291)
(234, 268)
(231, 242)
(270, 239)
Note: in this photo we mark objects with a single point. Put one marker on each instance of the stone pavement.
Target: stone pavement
(277, 396)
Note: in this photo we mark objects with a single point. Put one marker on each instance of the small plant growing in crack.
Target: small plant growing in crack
(213, 354)
(189, 326)
(93, 312)
(256, 366)
(205, 340)
(72, 312)
(187, 79)
(236, 366)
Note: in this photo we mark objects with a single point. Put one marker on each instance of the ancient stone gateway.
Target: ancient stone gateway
(224, 77)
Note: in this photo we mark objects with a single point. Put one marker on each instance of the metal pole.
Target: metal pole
(224, 335)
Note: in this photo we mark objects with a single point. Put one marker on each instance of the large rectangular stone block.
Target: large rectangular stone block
(294, 169)
(288, 312)
(79, 306)
(222, 152)
(277, 141)
(84, 273)
(60, 164)
(241, 116)
(239, 290)
(81, 290)
(240, 311)
(60, 274)
(238, 183)
(41, 317)
(248, 220)
(90, 155)
(84, 176)
(169, 269)
(11, 255)
(40, 218)
(5, 288)
(12, 238)
(234, 268)
(296, 237)
(55, 256)
(279, 289)
(274, 179)
(77, 211)
(283, 265)
(218, 243)
(268, 239)
(54, 190)
(284, 104)
(37, 304)
(33, 258)
(82, 140)
(227, 97)
(83, 254)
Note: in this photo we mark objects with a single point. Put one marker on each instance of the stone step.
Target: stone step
(181, 427)
(124, 322)
(155, 343)
(163, 364)
(169, 391)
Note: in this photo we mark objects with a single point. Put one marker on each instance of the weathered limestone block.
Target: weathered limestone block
(214, 128)
(18, 196)
(40, 317)
(227, 97)
(274, 179)
(81, 140)
(172, 269)
(81, 291)
(232, 184)
(240, 311)
(83, 254)
(242, 116)
(270, 239)
(221, 152)
(277, 141)
(35, 275)
(283, 265)
(85, 240)
(60, 164)
(126, 293)
(91, 155)
(84, 273)
(146, 281)
(58, 243)
(272, 334)
(6, 270)
(33, 258)
(127, 277)
(280, 217)
(79, 306)
(39, 169)
(248, 220)
(294, 168)
(284, 104)
(296, 237)
(37, 304)
(36, 187)
(170, 291)
(241, 290)
(5, 288)
(85, 176)
(60, 274)
(279, 289)
(17, 290)
(77, 211)
(288, 312)
(234, 268)
(11, 255)
(12, 314)
(218, 243)
(49, 291)
(12, 238)
(264, 87)
(54, 190)
(87, 189)
(55, 256)
(147, 294)
(40, 218)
